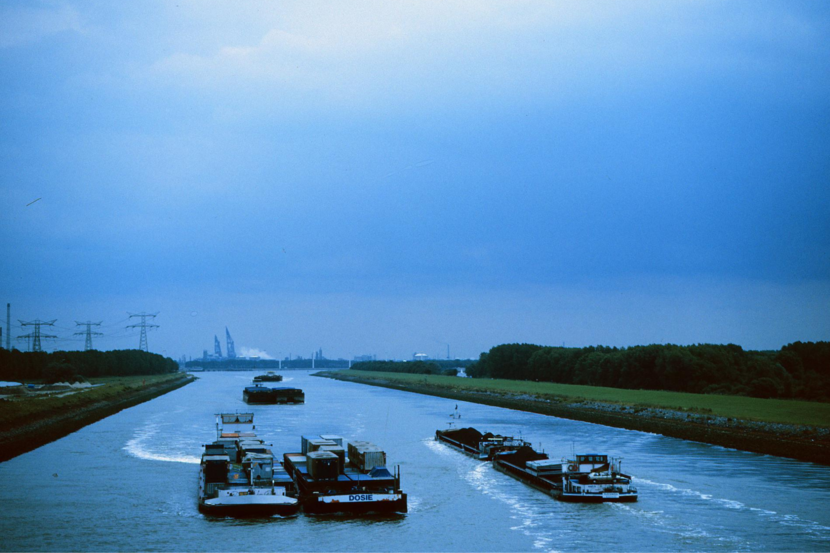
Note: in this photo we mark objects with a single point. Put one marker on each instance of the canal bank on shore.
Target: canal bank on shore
(25, 433)
(802, 442)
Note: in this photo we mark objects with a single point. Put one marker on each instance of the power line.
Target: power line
(116, 324)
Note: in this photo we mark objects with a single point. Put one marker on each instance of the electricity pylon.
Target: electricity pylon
(88, 333)
(142, 343)
(36, 335)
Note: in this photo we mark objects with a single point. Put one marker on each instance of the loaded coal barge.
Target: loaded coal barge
(238, 475)
(475, 444)
(586, 478)
(329, 481)
(590, 478)
(259, 394)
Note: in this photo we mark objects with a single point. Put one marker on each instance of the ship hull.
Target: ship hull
(249, 510)
(267, 401)
(458, 446)
(540, 484)
(331, 505)
(555, 489)
(598, 498)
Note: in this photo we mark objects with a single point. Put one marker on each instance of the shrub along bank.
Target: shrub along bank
(446, 367)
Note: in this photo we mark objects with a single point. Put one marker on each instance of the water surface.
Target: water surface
(129, 483)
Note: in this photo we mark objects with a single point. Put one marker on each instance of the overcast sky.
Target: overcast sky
(396, 177)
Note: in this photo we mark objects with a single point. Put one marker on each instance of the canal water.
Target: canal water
(128, 483)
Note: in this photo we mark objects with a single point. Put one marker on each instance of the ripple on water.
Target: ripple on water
(788, 520)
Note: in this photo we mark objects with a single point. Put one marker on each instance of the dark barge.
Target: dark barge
(266, 395)
(270, 376)
(475, 444)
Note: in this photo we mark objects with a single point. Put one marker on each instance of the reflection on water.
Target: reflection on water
(129, 483)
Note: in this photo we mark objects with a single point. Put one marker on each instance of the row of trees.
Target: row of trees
(412, 367)
(798, 370)
(60, 365)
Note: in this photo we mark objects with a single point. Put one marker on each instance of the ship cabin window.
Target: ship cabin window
(602, 459)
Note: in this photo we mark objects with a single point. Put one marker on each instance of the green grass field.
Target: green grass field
(738, 407)
(29, 406)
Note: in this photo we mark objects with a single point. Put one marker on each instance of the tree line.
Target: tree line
(412, 367)
(61, 366)
(799, 370)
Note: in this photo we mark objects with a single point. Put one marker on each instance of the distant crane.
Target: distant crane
(231, 350)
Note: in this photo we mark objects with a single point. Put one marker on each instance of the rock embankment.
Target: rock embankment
(806, 443)
(778, 429)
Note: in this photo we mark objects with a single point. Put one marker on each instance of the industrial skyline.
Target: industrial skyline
(116, 339)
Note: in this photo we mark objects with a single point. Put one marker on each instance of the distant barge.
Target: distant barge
(265, 395)
(330, 482)
(238, 475)
(270, 376)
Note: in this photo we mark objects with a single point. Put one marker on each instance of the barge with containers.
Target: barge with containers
(475, 444)
(270, 376)
(330, 481)
(590, 478)
(239, 476)
(266, 395)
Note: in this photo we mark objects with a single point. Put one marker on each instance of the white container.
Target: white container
(315, 445)
(334, 438)
(545, 465)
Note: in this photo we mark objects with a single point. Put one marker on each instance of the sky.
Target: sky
(388, 178)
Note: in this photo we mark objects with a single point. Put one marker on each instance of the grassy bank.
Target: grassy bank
(736, 407)
(32, 419)
(795, 429)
